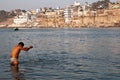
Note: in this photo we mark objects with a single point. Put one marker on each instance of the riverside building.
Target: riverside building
(24, 18)
(68, 11)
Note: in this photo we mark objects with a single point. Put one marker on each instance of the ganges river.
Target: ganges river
(62, 54)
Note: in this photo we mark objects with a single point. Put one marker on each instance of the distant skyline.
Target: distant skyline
(35, 4)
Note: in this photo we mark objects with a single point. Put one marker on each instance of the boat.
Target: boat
(15, 29)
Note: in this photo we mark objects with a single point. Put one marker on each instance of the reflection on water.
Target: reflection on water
(16, 74)
(63, 54)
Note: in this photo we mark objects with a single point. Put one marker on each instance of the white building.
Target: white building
(71, 11)
(76, 3)
(24, 18)
(68, 14)
(37, 10)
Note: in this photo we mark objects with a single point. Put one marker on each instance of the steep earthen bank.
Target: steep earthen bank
(103, 18)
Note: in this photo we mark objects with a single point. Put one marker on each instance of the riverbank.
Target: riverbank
(102, 19)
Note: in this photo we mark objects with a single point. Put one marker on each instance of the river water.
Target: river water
(62, 54)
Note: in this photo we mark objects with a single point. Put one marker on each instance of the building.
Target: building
(118, 1)
(76, 3)
(24, 18)
(68, 14)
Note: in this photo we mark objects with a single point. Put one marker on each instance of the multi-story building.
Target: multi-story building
(71, 11)
(68, 11)
(24, 18)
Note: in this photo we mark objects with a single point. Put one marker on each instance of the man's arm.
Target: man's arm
(27, 48)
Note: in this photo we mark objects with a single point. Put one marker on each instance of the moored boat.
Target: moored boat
(15, 29)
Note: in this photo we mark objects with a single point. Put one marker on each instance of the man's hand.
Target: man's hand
(30, 47)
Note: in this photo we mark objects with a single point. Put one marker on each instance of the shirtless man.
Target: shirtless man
(15, 52)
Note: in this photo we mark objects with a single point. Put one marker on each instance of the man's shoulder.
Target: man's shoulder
(17, 47)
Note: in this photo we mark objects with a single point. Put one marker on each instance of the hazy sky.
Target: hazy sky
(35, 4)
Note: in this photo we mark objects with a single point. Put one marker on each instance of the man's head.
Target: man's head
(21, 43)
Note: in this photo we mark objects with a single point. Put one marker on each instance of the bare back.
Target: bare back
(15, 51)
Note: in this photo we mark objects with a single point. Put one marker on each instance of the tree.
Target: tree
(104, 4)
(4, 15)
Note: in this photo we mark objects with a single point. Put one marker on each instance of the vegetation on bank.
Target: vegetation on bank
(4, 15)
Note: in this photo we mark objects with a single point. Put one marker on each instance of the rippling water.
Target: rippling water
(62, 54)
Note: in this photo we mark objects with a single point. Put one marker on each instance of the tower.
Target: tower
(76, 3)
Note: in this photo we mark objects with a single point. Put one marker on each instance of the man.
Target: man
(15, 52)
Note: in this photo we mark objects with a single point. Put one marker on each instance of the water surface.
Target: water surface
(62, 54)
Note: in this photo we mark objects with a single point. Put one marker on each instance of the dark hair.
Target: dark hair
(21, 43)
